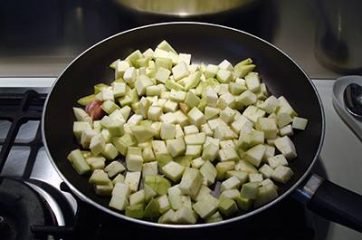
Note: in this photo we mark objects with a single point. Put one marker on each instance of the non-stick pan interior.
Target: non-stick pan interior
(207, 43)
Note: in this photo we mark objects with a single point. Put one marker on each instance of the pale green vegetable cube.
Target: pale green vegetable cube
(268, 126)
(152, 210)
(114, 168)
(114, 126)
(154, 113)
(269, 105)
(283, 119)
(277, 160)
(162, 74)
(104, 190)
(241, 69)
(284, 106)
(224, 132)
(255, 177)
(157, 183)
(120, 196)
(211, 97)
(142, 133)
(209, 172)
(150, 168)
(211, 70)
(170, 106)
(227, 115)
(192, 81)
(191, 182)
(241, 123)
(193, 150)
(226, 100)
(237, 87)
(185, 215)
(137, 197)
(99, 177)
(153, 91)
(86, 137)
(97, 144)
(148, 154)
(230, 183)
(180, 70)
(168, 217)
(216, 217)
(79, 127)
(244, 203)
(266, 193)
(173, 171)
(228, 154)
(168, 131)
(286, 147)
(227, 207)
(282, 174)
(149, 192)
(169, 117)
(224, 76)
(247, 98)
(192, 100)
(142, 83)
(269, 152)
(249, 190)
(159, 147)
(135, 211)
(227, 144)
(109, 106)
(211, 112)
(266, 170)
(110, 152)
(214, 123)
(286, 130)
(206, 206)
(163, 61)
(253, 81)
(130, 75)
(120, 68)
(134, 161)
(163, 203)
(179, 131)
(172, 85)
(107, 94)
(197, 162)
(242, 176)
(177, 96)
(156, 127)
(222, 88)
(196, 116)
(174, 197)
(118, 178)
(223, 167)
(245, 167)
(210, 152)
(225, 64)
(78, 162)
(230, 194)
(164, 45)
(96, 162)
(181, 118)
(206, 129)
(253, 113)
(299, 123)
(191, 129)
(122, 143)
(255, 154)
(195, 139)
(132, 179)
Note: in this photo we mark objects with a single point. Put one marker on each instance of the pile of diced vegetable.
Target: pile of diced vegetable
(176, 142)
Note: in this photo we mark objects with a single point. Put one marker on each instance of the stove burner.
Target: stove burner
(20, 208)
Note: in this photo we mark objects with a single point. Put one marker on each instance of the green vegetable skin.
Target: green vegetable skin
(173, 130)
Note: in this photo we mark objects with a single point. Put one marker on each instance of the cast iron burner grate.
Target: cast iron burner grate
(286, 220)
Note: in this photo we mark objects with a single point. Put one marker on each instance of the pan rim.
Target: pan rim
(86, 199)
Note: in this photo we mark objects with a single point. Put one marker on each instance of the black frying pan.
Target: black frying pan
(210, 44)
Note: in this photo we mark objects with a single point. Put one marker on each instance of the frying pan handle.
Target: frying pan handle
(334, 202)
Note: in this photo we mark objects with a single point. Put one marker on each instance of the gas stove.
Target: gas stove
(51, 210)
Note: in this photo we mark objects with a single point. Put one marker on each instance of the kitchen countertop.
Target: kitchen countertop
(42, 41)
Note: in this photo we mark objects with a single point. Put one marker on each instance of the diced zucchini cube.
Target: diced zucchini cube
(193, 150)
(133, 179)
(137, 197)
(119, 89)
(245, 167)
(78, 162)
(196, 117)
(192, 100)
(266, 170)
(224, 76)
(211, 112)
(104, 190)
(170, 106)
(173, 171)
(228, 154)
(122, 143)
(150, 169)
(269, 152)
(249, 190)
(163, 203)
(195, 139)
(96, 162)
(255, 154)
(266, 193)
(97, 144)
(227, 144)
(230, 183)
(169, 117)
(130, 75)
(206, 207)
(185, 215)
(120, 68)
(181, 118)
(253, 81)
(118, 178)
(230, 194)
(255, 177)
(282, 174)
(135, 210)
(211, 97)
(244, 203)
(226, 100)
(206, 129)
(134, 161)
(120, 196)
(242, 176)
(209, 172)
(110, 152)
(286, 147)
(168, 131)
(180, 70)
(114, 168)
(177, 96)
(277, 160)
(79, 127)
(99, 177)
(114, 126)
(223, 167)
(152, 210)
(299, 123)
(87, 136)
(227, 207)
(269, 105)
(283, 119)
(268, 126)
(158, 183)
(148, 154)
(162, 74)
(197, 162)
(191, 129)
(286, 130)
(191, 182)
(253, 113)
(227, 115)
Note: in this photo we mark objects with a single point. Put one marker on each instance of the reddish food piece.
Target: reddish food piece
(94, 110)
